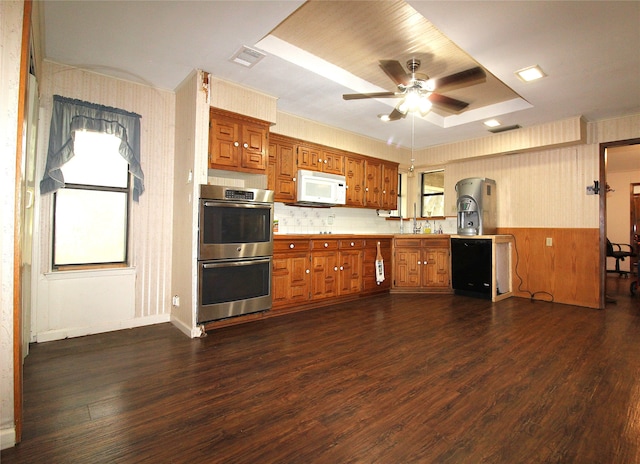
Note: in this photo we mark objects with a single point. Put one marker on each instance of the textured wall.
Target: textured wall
(151, 218)
(10, 38)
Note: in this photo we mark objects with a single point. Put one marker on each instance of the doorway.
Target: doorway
(619, 209)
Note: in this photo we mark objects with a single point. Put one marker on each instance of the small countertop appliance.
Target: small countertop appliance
(476, 206)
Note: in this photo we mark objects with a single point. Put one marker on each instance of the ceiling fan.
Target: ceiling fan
(418, 91)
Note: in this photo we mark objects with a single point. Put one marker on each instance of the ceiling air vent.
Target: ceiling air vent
(247, 56)
(499, 129)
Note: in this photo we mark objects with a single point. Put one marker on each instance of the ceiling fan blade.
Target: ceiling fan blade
(395, 115)
(395, 71)
(358, 96)
(447, 103)
(466, 78)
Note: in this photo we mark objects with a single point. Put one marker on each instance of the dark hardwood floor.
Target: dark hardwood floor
(388, 379)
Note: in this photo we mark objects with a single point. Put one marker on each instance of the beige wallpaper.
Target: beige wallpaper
(152, 216)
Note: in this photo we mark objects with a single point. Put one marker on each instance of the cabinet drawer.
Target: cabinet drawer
(435, 242)
(282, 246)
(355, 243)
(407, 242)
(324, 244)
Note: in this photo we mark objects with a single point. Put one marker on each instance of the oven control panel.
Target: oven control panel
(245, 195)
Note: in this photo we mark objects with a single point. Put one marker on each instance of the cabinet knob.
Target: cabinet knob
(342, 268)
(307, 271)
(419, 262)
(353, 244)
(335, 268)
(291, 245)
(236, 144)
(325, 161)
(326, 245)
(246, 145)
(366, 189)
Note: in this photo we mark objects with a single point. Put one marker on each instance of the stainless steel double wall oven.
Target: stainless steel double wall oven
(235, 251)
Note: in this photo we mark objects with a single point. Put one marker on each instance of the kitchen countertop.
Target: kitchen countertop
(278, 236)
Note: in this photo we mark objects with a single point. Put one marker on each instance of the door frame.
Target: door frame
(602, 180)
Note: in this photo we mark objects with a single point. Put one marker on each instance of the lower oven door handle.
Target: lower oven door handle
(244, 262)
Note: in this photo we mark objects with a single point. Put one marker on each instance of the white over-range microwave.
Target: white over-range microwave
(320, 188)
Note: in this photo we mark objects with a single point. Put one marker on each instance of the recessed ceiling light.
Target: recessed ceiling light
(492, 123)
(530, 74)
(247, 56)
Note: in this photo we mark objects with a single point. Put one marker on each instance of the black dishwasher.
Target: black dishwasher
(471, 267)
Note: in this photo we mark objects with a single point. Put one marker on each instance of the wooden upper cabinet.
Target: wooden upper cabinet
(373, 183)
(389, 186)
(282, 168)
(332, 161)
(236, 142)
(319, 158)
(308, 157)
(354, 174)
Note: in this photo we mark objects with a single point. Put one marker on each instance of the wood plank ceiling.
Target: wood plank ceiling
(384, 30)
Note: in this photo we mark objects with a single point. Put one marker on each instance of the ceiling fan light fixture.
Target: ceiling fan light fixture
(384, 117)
(424, 106)
(530, 73)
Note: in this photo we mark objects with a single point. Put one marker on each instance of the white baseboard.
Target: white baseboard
(191, 332)
(7, 438)
(61, 334)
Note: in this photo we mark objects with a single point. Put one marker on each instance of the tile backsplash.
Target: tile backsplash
(342, 220)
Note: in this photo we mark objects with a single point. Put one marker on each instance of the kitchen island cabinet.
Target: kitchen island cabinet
(421, 264)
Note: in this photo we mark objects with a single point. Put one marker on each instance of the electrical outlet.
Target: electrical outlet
(175, 301)
(549, 241)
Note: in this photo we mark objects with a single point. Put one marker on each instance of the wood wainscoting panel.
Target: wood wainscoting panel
(567, 270)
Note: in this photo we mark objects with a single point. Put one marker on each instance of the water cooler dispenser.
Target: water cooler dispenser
(476, 206)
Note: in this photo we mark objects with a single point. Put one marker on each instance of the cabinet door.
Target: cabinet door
(350, 271)
(407, 269)
(369, 282)
(373, 184)
(324, 274)
(308, 157)
(389, 186)
(224, 143)
(354, 173)
(332, 162)
(254, 141)
(284, 171)
(290, 279)
(436, 267)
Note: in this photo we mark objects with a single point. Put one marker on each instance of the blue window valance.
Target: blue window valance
(70, 115)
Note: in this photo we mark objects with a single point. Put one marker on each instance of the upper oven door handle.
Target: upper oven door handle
(229, 204)
(235, 262)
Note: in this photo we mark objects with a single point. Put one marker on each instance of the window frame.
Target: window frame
(424, 195)
(127, 191)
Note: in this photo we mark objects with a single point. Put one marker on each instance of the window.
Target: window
(91, 211)
(433, 193)
(401, 203)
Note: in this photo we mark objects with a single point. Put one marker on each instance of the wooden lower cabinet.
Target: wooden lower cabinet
(291, 278)
(324, 270)
(421, 264)
(369, 283)
(307, 272)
